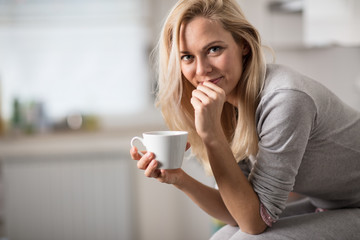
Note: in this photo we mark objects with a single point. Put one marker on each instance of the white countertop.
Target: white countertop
(76, 142)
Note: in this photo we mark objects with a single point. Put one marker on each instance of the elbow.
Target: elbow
(233, 224)
(254, 229)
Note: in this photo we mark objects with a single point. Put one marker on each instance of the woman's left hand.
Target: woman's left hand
(208, 100)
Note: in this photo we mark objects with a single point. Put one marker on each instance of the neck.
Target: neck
(232, 100)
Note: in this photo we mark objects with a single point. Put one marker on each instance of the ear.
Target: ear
(245, 49)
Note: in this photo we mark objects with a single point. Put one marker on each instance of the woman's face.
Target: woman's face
(209, 53)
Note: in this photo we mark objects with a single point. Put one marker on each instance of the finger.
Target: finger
(145, 160)
(134, 153)
(188, 145)
(207, 91)
(196, 103)
(162, 176)
(212, 86)
(201, 96)
(151, 170)
(212, 90)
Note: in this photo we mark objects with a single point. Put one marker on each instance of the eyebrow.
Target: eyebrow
(206, 46)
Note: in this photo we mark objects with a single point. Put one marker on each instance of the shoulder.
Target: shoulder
(288, 99)
(286, 108)
(280, 77)
(287, 88)
(293, 85)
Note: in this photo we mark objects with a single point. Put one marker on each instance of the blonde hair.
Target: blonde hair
(174, 91)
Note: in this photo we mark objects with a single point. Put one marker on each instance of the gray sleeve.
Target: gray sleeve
(284, 122)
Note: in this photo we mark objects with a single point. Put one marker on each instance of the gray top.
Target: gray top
(309, 142)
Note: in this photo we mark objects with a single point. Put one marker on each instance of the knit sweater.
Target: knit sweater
(309, 143)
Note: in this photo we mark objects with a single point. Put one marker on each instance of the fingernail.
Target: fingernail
(148, 155)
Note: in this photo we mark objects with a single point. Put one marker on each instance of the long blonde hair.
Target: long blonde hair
(174, 91)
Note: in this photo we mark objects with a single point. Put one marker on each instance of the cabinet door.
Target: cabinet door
(329, 22)
(68, 197)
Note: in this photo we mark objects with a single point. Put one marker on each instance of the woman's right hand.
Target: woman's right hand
(148, 163)
(208, 101)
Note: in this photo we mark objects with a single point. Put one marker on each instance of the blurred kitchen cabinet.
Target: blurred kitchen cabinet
(332, 22)
(293, 24)
(67, 187)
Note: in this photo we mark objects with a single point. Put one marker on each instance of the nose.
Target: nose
(203, 67)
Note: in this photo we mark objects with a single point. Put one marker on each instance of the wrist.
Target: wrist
(180, 183)
(215, 139)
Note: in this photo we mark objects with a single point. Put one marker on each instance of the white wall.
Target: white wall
(331, 61)
(85, 56)
(335, 67)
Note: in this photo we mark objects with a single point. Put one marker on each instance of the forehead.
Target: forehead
(200, 31)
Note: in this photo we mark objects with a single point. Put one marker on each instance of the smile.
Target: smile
(215, 81)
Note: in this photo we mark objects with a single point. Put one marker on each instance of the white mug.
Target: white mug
(168, 147)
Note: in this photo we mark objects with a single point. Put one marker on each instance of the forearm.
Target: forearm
(207, 198)
(236, 191)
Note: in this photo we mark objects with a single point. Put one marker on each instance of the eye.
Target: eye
(215, 49)
(187, 58)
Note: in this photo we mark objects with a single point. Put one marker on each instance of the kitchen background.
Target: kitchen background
(76, 83)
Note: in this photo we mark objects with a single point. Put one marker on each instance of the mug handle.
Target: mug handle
(139, 139)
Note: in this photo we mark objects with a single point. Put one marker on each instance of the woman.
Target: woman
(263, 131)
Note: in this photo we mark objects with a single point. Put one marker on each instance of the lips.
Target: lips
(215, 81)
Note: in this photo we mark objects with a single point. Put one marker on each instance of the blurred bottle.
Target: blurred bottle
(2, 123)
(42, 122)
(33, 118)
(30, 118)
(16, 120)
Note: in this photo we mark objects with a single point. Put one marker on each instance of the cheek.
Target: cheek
(188, 73)
(233, 65)
(225, 62)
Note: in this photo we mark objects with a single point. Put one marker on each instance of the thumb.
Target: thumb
(188, 145)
